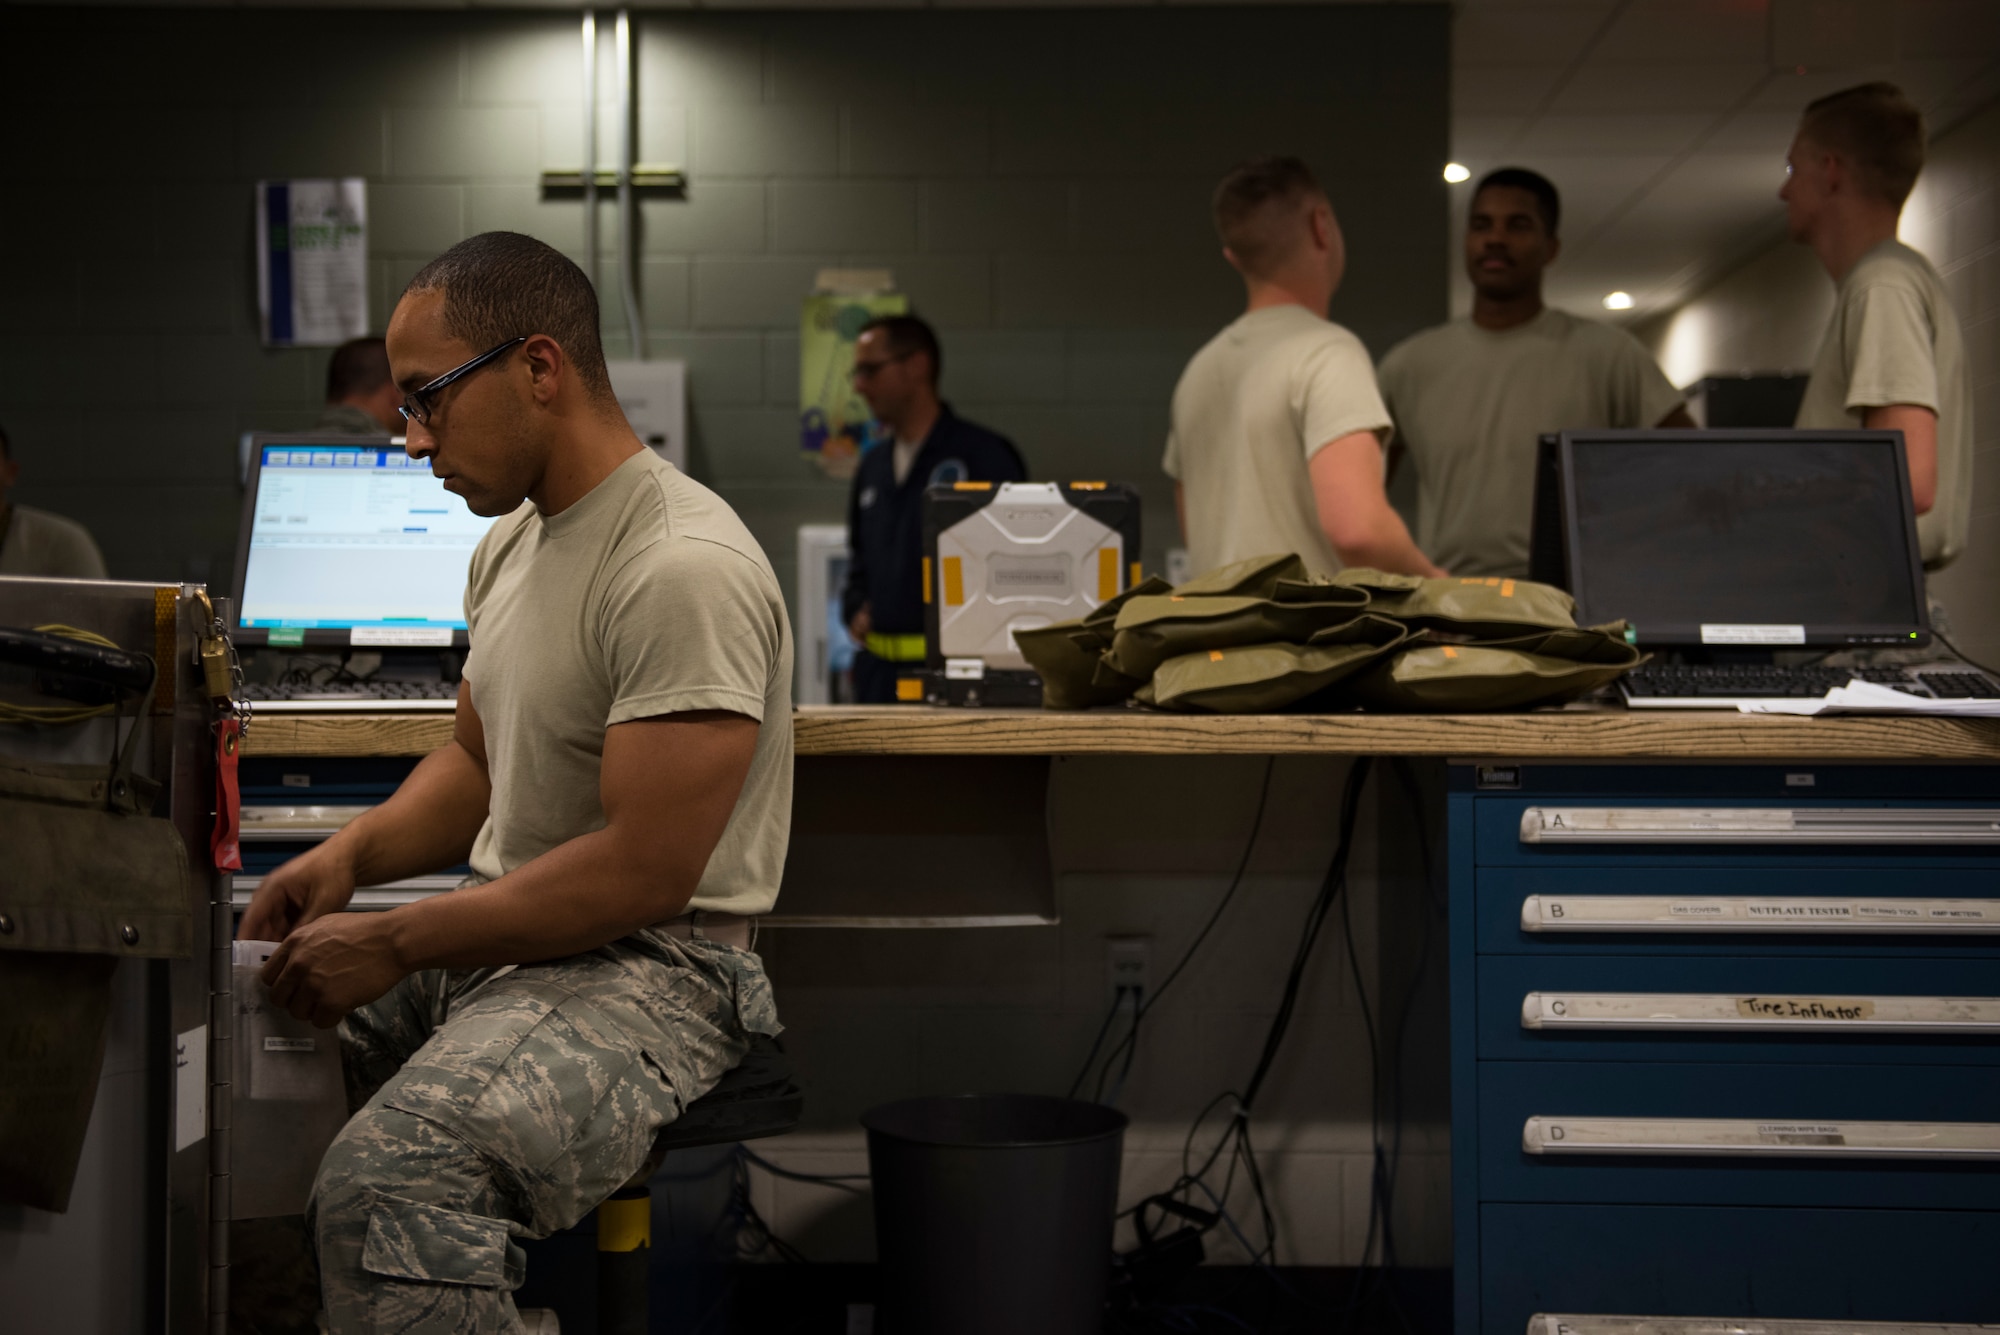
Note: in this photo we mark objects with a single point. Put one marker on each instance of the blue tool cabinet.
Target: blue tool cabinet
(1700, 1105)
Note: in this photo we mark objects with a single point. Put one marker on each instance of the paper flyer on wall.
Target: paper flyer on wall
(312, 261)
(833, 419)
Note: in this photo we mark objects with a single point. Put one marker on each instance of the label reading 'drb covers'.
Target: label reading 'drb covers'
(1715, 633)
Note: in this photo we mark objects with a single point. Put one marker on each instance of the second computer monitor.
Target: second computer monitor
(351, 541)
(1745, 538)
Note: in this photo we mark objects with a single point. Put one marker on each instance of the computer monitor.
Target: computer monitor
(1746, 538)
(348, 540)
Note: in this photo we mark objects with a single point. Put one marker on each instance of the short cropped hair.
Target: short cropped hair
(1255, 202)
(1548, 202)
(1877, 131)
(359, 366)
(500, 285)
(907, 335)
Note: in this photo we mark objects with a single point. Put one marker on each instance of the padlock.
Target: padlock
(215, 671)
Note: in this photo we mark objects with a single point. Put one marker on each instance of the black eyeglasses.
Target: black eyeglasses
(863, 370)
(420, 402)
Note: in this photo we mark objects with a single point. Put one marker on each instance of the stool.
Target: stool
(756, 1099)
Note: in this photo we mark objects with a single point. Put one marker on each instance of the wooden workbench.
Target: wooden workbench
(1608, 734)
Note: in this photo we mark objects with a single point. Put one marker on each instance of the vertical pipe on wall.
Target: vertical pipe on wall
(590, 144)
(628, 221)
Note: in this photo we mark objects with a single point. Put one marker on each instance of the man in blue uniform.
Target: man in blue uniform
(925, 444)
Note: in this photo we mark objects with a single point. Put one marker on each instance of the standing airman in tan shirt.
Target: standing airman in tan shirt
(1277, 433)
(1893, 357)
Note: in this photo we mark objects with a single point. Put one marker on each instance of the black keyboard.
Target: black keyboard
(392, 696)
(1747, 681)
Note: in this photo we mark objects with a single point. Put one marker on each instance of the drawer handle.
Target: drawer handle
(1742, 913)
(395, 894)
(1680, 1137)
(1545, 1324)
(1759, 825)
(312, 824)
(1689, 1012)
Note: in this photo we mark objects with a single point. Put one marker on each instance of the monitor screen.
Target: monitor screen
(351, 536)
(1762, 538)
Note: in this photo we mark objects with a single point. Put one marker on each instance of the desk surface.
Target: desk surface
(1611, 734)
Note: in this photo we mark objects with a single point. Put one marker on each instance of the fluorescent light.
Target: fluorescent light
(1455, 172)
(1617, 301)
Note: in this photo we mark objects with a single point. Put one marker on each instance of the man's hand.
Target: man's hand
(310, 886)
(863, 622)
(327, 968)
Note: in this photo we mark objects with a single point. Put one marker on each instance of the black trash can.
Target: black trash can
(993, 1213)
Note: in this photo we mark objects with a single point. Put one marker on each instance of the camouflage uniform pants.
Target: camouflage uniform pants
(496, 1104)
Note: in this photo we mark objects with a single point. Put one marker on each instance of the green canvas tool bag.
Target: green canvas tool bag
(1151, 630)
(1067, 654)
(1481, 608)
(1544, 668)
(1258, 577)
(1261, 678)
(89, 876)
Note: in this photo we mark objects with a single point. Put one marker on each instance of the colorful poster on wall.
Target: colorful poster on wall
(312, 261)
(833, 419)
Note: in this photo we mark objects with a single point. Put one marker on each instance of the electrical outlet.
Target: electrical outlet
(1127, 964)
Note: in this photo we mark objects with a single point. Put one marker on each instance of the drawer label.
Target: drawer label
(1836, 1009)
(1687, 910)
(1802, 1133)
(1796, 910)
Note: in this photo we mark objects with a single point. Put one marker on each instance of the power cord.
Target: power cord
(1961, 655)
(1235, 1139)
(839, 1181)
(56, 716)
(1235, 883)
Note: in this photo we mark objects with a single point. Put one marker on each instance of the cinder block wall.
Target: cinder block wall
(1038, 181)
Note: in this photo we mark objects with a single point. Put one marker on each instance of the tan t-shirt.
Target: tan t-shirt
(1895, 339)
(646, 597)
(1469, 404)
(39, 543)
(1252, 407)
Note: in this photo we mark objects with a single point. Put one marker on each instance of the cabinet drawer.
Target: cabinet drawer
(1783, 1098)
(1760, 834)
(1832, 1264)
(1788, 1008)
(1894, 912)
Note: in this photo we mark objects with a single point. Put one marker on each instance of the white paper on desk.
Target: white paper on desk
(1865, 697)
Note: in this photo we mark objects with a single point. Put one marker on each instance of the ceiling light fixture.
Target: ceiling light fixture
(1455, 172)
(1617, 301)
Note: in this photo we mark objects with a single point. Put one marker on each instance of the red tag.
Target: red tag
(228, 806)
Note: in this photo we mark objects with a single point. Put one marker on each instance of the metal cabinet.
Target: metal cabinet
(1726, 1043)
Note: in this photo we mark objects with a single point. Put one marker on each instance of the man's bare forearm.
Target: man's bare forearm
(428, 824)
(1389, 547)
(575, 897)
